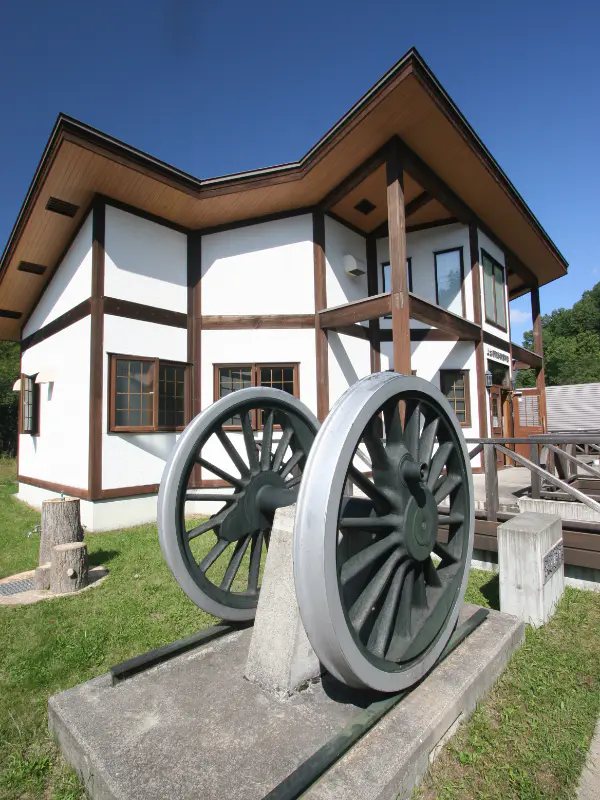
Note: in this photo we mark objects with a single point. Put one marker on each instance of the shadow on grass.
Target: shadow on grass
(491, 592)
(100, 557)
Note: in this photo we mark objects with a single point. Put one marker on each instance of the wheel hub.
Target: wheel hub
(420, 524)
(250, 514)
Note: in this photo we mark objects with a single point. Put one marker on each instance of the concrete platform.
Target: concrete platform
(194, 728)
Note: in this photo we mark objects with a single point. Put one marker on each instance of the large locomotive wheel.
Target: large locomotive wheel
(263, 435)
(379, 597)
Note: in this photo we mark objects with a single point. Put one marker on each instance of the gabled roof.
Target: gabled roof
(80, 162)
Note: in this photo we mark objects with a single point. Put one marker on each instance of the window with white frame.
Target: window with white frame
(449, 280)
(494, 290)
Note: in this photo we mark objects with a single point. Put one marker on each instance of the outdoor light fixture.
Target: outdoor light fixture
(488, 379)
(513, 382)
(354, 266)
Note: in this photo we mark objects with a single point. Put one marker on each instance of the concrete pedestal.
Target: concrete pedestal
(531, 561)
(280, 658)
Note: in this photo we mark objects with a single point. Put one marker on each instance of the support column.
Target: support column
(399, 281)
(372, 288)
(538, 347)
(194, 323)
(322, 347)
(479, 348)
(96, 352)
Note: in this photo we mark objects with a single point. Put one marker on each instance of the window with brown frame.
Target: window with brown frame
(454, 384)
(231, 377)
(147, 394)
(449, 280)
(494, 290)
(29, 412)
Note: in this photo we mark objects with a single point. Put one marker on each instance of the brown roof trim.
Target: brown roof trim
(69, 129)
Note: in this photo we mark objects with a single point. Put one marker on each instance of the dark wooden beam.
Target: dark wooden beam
(161, 316)
(438, 317)
(96, 351)
(322, 345)
(538, 346)
(422, 335)
(194, 334)
(355, 178)
(477, 318)
(357, 331)
(399, 279)
(381, 231)
(58, 324)
(358, 311)
(213, 322)
(417, 203)
(372, 288)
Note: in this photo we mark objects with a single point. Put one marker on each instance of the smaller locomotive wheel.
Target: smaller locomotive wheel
(378, 594)
(260, 439)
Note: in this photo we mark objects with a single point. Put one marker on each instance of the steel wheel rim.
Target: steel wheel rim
(316, 542)
(173, 536)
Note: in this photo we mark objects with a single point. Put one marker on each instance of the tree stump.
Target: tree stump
(41, 576)
(68, 570)
(61, 523)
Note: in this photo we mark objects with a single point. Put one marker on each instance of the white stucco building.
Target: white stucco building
(140, 294)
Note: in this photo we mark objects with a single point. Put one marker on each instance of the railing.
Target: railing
(553, 460)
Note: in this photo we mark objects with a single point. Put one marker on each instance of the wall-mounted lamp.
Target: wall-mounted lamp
(488, 379)
(513, 382)
(354, 266)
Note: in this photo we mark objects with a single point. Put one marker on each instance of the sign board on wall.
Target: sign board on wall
(498, 355)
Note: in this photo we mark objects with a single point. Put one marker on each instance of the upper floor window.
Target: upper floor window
(230, 377)
(494, 290)
(386, 275)
(449, 280)
(29, 411)
(147, 394)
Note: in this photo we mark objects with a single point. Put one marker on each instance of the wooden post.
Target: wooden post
(399, 281)
(373, 288)
(41, 576)
(491, 482)
(68, 570)
(536, 481)
(322, 345)
(538, 347)
(478, 318)
(61, 523)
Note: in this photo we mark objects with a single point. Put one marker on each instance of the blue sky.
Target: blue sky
(215, 88)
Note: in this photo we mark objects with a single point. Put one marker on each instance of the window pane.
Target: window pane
(499, 281)
(449, 282)
(171, 412)
(453, 387)
(386, 278)
(488, 288)
(230, 379)
(134, 392)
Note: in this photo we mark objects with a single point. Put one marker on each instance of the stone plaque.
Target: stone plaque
(553, 559)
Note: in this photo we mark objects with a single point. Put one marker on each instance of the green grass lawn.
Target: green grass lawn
(527, 741)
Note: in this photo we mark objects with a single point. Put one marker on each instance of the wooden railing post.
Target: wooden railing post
(536, 481)
(491, 482)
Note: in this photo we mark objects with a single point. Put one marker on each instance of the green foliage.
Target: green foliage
(571, 343)
(9, 400)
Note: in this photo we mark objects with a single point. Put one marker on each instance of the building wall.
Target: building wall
(340, 241)
(71, 283)
(136, 459)
(145, 262)
(259, 269)
(60, 452)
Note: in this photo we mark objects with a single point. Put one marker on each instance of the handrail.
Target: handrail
(542, 438)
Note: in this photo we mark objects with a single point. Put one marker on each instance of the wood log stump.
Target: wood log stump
(68, 570)
(41, 576)
(61, 523)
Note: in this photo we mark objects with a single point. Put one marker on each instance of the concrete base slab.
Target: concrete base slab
(194, 728)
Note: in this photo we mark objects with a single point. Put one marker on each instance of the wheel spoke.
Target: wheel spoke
(402, 631)
(220, 473)
(430, 572)
(284, 443)
(208, 525)
(190, 497)
(412, 426)
(236, 559)
(362, 607)
(212, 555)
(453, 518)
(367, 486)
(374, 445)
(444, 553)
(439, 462)
(267, 443)
(255, 556)
(294, 482)
(360, 561)
(293, 461)
(427, 440)
(251, 449)
(449, 485)
(419, 593)
(382, 629)
(233, 454)
(369, 523)
(393, 425)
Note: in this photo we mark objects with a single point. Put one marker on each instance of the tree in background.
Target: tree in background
(9, 400)
(571, 343)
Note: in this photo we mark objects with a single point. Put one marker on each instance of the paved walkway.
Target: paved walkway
(510, 480)
(589, 784)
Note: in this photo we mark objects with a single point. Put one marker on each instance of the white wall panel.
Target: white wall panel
(260, 269)
(341, 241)
(145, 262)
(137, 459)
(71, 284)
(349, 360)
(60, 452)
